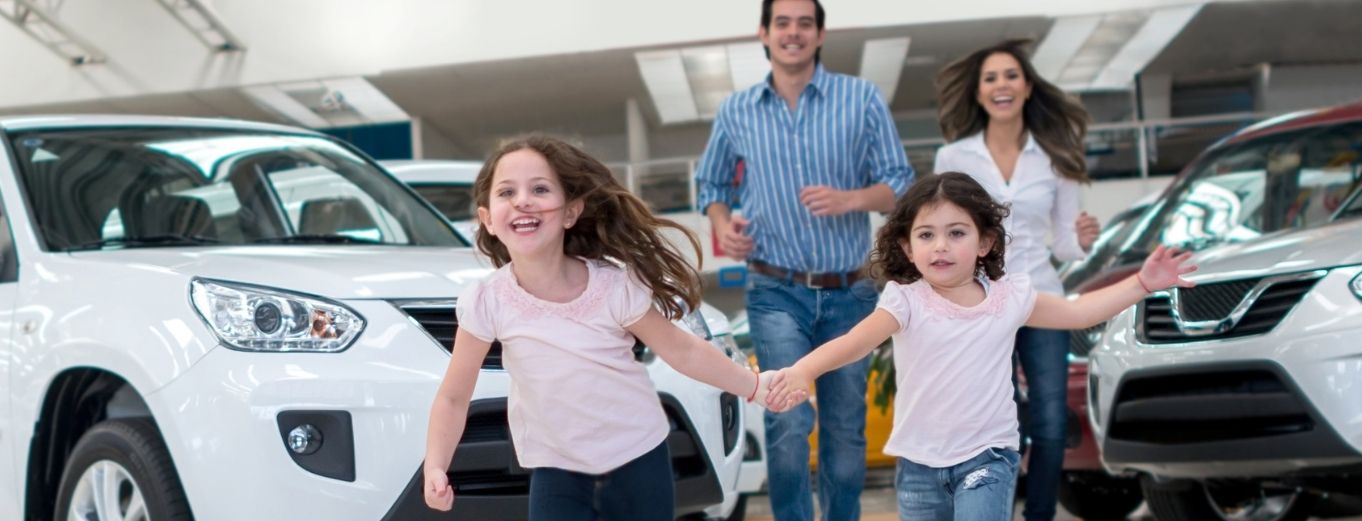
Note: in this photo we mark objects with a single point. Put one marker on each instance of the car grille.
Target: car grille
(1206, 407)
(1213, 302)
(438, 320)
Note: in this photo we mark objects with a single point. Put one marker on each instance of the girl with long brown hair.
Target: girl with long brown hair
(1021, 138)
(583, 270)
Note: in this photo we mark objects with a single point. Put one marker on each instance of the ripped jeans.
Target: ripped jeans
(979, 489)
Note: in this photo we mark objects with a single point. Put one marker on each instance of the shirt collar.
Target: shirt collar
(820, 83)
(975, 143)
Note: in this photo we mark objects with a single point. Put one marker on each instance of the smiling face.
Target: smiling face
(1003, 87)
(945, 245)
(527, 209)
(793, 37)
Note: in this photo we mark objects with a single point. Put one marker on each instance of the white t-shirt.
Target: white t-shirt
(1044, 206)
(579, 401)
(954, 370)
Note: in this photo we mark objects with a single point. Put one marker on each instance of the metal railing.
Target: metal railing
(668, 184)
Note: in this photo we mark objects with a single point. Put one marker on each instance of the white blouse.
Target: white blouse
(1044, 206)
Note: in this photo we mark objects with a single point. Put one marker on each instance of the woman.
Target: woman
(1022, 139)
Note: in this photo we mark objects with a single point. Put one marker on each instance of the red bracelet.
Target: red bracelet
(755, 387)
(1141, 281)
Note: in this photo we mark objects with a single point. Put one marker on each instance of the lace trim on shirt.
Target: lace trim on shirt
(508, 290)
(994, 301)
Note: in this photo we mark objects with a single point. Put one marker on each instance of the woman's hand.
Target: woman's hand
(439, 495)
(1164, 269)
(1087, 228)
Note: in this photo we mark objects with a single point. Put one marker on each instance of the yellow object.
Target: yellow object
(877, 426)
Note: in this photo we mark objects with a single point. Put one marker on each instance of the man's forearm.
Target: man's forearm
(875, 198)
(719, 215)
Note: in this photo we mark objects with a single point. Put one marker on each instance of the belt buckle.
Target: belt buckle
(808, 281)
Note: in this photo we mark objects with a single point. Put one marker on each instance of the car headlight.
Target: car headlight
(1356, 286)
(253, 318)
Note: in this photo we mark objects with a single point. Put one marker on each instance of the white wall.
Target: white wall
(1305, 87)
(308, 39)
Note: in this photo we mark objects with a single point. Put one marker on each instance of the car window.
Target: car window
(1282, 182)
(455, 201)
(166, 186)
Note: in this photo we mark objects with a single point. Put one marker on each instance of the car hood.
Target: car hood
(338, 272)
(1327, 246)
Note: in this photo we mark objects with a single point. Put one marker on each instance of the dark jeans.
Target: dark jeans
(640, 490)
(1044, 358)
(788, 320)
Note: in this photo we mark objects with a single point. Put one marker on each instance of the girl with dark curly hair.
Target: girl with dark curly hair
(953, 315)
(1021, 137)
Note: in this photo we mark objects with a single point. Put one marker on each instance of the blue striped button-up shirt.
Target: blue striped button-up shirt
(840, 135)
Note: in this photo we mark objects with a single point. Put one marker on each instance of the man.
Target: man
(820, 152)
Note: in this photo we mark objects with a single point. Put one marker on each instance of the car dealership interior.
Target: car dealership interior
(236, 232)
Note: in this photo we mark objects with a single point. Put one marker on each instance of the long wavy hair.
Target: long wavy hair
(615, 224)
(1056, 120)
(888, 261)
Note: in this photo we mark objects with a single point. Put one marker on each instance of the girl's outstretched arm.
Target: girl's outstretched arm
(448, 415)
(1163, 269)
(692, 356)
(791, 384)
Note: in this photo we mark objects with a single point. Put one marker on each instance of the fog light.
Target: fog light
(304, 439)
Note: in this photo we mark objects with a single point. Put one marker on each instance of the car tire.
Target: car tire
(1249, 501)
(1098, 496)
(144, 483)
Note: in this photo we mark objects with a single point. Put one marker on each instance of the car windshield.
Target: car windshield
(163, 187)
(1289, 181)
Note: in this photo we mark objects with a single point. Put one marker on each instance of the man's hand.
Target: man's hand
(736, 245)
(826, 201)
(1087, 228)
(439, 495)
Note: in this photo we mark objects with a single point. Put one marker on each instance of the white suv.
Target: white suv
(249, 321)
(1241, 398)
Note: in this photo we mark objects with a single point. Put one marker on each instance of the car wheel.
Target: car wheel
(1230, 500)
(1098, 496)
(120, 469)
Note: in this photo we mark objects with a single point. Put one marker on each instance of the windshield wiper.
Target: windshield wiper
(148, 240)
(314, 239)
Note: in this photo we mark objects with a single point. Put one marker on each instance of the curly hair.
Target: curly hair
(1056, 120)
(615, 224)
(888, 262)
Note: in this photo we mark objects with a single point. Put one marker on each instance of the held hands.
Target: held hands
(789, 388)
(1164, 269)
(824, 201)
(1087, 228)
(439, 495)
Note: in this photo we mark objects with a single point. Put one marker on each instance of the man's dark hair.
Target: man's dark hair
(819, 16)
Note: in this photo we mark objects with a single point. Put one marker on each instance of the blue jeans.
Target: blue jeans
(1044, 357)
(640, 490)
(978, 489)
(788, 320)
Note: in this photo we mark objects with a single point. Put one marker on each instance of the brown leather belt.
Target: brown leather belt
(830, 280)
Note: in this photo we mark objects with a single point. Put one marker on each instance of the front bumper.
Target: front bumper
(1280, 403)
(222, 424)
